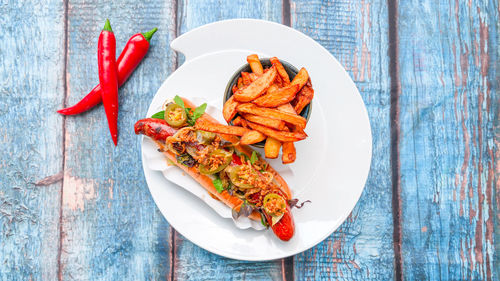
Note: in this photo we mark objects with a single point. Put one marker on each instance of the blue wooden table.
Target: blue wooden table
(74, 207)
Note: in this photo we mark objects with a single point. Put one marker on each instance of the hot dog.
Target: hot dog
(211, 158)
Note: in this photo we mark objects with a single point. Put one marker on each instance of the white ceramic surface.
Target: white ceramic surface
(332, 163)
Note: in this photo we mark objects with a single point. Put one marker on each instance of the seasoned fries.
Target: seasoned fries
(257, 87)
(289, 153)
(268, 122)
(272, 148)
(281, 71)
(265, 106)
(282, 136)
(229, 109)
(277, 97)
(208, 126)
(301, 78)
(272, 113)
(304, 97)
(252, 137)
(255, 65)
(287, 108)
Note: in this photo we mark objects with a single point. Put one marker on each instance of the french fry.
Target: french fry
(245, 76)
(281, 71)
(240, 83)
(253, 76)
(255, 65)
(237, 121)
(268, 122)
(278, 135)
(287, 107)
(257, 87)
(251, 108)
(289, 153)
(244, 123)
(229, 109)
(303, 98)
(204, 125)
(272, 148)
(301, 78)
(277, 97)
(272, 88)
(252, 137)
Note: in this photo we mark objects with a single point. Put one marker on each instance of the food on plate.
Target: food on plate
(229, 109)
(278, 96)
(304, 97)
(272, 148)
(257, 87)
(282, 136)
(267, 101)
(272, 113)
(255, 65)
(208, 126)
(269, 122)
(252, 137)
(289, 153)
(229, 171)
(281, 71)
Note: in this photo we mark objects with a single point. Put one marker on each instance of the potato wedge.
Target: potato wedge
(229, 109)
(237, 121)
(289, 153)
(278, 135)
(208, 126)
(255, 65)
(294, 119)
(303, 98)
(256, 88)
(281, 71)
(253, 76)
(268, 122)
(240, 83)
(272, 148)
(287, 107)
(252, 137)
(301, 78)
(245, 76)
(277, 97)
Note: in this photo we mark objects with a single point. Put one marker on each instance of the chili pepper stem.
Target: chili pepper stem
(147, 35)
(107, 26)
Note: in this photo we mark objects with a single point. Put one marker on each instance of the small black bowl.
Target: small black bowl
(290, 69)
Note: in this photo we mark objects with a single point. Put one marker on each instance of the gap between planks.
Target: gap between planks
(65, 87)
(392, 6)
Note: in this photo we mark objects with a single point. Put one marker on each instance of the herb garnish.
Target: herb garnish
(192, 115)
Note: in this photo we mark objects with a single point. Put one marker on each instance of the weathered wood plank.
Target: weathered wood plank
(192, 262)
(31, 89)
(112, 229)
(356, 33)
(448, 58)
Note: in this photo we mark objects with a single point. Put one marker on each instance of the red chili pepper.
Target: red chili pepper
(108, 77)
(134, 51)
(236, 159)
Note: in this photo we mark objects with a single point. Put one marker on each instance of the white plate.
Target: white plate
(332, 163)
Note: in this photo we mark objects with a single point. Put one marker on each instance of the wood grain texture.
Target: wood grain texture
(448, 59)
(111, 227)
(355, 32)
(192, 262)
(31, 87)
